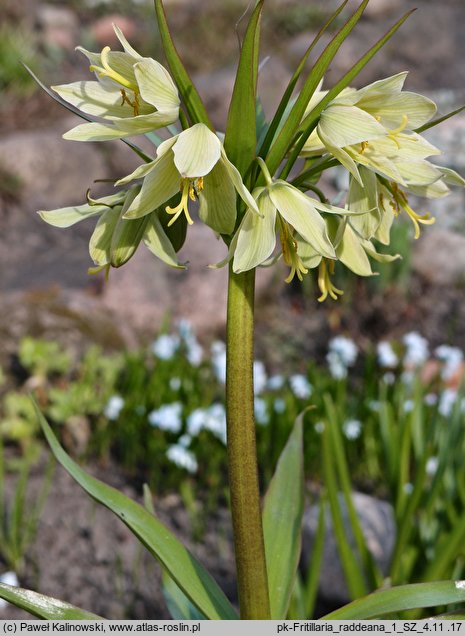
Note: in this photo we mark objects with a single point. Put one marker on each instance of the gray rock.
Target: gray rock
(439, 257)
(59, 26)
(378, 525)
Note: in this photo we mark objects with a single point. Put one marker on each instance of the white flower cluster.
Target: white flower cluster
(342, 354)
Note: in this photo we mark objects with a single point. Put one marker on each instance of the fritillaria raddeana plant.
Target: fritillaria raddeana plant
(256, 186)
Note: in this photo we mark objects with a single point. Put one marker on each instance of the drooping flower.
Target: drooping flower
(114, 407)
(300, 386)
(286, 211)
(115, 238)
(371, 132)
(132, 95)
(195, 164)
(165, 346)
(387, 357)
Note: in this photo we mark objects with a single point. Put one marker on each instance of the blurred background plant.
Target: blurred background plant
(387, 421)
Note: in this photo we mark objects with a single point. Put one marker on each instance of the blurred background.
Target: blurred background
(122, 380)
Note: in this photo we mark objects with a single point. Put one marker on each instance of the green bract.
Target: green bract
(134, 94)
(195, 164)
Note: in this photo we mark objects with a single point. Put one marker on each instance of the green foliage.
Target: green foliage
(16, 46)
(20, 511)
(42, 357)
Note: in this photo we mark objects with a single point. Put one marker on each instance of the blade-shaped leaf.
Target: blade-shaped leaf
(241, 132)
(349, 561)
(180, 607)
(42, 606)
(283, 105)
(186, 571)
(439, 120)
(189, 93)
(285, 137)
(282, 522)
(404, 597)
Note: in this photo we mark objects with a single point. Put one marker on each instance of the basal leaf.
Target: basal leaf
(282, 522)
(397, 599)
(42, 606)
(182, 566)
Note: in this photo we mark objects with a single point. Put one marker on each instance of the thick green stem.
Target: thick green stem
(242, 454)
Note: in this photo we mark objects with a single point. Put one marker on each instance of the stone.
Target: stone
(59, 26)
(377, 521)
(439, 257)
(103, 33)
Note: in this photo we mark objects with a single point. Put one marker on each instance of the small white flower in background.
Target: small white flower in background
(175, 384)
(114, 407)
(184, 440)
(389, 378)
(194, 351)
(320, 427)
(261, 411)
(407, 377)
(352, 429)
(345, 348)
(165, 346)
(275, 382)
(9, 578)
(447, 402)
(452, 357)
(432, 466)
(417, 350)
(185, 328)
(300, 386)
(342, 353)
(259, 377)
(374, 405)
(408, 488)
(211, 419)
(386, 355)
(182, 458)
(279, 405)
(218, 352)
(167, 418)
(431, 399)
(408, 406)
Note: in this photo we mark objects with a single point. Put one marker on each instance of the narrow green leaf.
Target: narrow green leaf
(350, 564)
(446, 551)
(42, 606)
(439, 120)
(284, 103)
(313, 575)
(189, 93)
(240, 140)
(282, 522)
(179, 606)
(311, 119)
(284, 140)
(397, 599)
(372, 571)
(184, 568)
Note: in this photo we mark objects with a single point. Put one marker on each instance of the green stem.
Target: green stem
(242, 455)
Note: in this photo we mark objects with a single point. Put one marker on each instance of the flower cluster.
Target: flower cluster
(372, 132)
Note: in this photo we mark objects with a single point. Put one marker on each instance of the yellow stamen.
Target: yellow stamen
(290, 256)
(325, 269)
(363, 146)
(190, 189)
(400, 201)
(395, 131)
